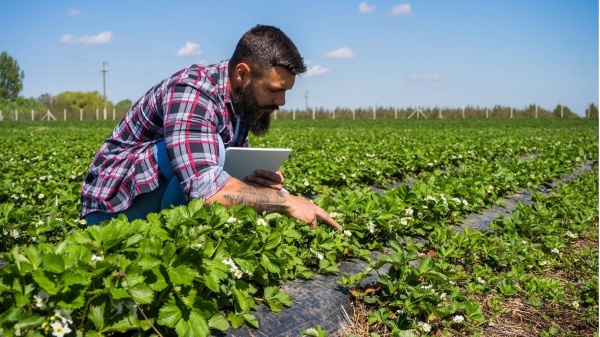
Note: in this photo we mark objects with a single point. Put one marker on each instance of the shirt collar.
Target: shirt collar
(223, 84)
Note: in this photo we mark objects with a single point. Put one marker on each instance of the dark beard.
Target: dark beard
(254, 117)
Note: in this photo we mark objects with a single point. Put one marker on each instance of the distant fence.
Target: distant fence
(98, 114)
(337, 113)
(427, 113)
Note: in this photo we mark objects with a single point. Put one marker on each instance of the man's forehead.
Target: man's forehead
(280, 77)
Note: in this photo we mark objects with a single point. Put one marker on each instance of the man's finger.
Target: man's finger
(325, 217)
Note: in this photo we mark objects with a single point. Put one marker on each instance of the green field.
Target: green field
(197, 268)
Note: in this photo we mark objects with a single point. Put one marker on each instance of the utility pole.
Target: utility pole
(306, 101)
(104, 71)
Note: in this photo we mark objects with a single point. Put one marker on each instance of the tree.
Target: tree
(11, 78)
(123, 106)
(592, 111)
(563, 111)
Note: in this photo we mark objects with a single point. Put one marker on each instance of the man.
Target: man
(169, 148)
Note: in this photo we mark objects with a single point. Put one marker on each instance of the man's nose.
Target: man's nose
(279, 99)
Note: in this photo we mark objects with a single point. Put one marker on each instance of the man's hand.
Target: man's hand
(304, 210)
(267, 178)
(272, 200)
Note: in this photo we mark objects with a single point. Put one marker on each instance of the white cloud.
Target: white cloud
(425, 77)
(364, 8)
(102, 38)
(190, 49)
(341, 53)
(401, 9)
(74, 12)
(316, 70)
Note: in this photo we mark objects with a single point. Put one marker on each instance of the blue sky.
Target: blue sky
(422, 53)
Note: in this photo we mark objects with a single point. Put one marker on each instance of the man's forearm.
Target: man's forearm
(236, 192)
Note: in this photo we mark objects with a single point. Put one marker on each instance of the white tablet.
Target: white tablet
(241, 162)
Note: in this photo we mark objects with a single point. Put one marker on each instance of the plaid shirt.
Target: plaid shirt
(187, 110)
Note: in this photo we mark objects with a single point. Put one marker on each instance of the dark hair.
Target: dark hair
(263, 47)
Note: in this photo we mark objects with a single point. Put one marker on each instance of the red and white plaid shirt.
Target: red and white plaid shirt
(187, 110)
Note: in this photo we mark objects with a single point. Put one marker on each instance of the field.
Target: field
(399, 187)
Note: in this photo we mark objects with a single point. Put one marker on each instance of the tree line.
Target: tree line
(84, 104)
(11, 85)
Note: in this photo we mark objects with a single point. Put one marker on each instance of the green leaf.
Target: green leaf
(270, 262)
(96, 313)
(218, 322)
(236, 320)
(273, 240)
(182, 274)
(46, 280)
(148, 262)
(251, 319)
(211, 281)
(187, 322)
(53, 263)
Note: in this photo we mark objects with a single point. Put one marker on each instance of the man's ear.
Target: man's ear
(242, 73)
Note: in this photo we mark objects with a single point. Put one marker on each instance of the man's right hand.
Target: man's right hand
(309, 213)
(267, 199)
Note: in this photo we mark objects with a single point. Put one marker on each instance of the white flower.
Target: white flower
(306, 183)
(40, 299)
(261, 222)
(443, 295)
(97, 257)
(59, 330)
(343, 176)
(490, 189)
(334, 215)
(231, 220)
(427, 286)
(15, 233)
(458, 319)
(575, 305)
(319, 255)
(480, 280)
(543, 263)
(464, 202)
(430, 164)
(456, 201)
(196, 246)
(347, 233)
(424, 326)
(430, 198)
(404, 221)
(64, 315)
(409, 211)
(238, 274)
(41, 196)
(233, 268)
(571, 235)
(81, 221)
(555, 250)
(371, 226)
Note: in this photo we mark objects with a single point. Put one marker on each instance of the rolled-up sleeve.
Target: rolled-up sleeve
(190, 133)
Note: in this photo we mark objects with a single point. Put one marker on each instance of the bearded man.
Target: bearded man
(170, 147)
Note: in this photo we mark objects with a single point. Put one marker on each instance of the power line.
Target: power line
(104, 71)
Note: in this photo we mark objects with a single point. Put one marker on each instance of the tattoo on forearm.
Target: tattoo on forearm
(261, 199)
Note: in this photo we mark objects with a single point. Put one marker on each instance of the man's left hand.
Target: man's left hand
(267, 178)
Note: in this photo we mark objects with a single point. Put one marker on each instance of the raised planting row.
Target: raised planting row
(534, 274)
